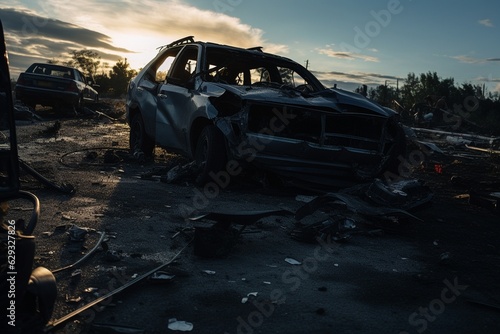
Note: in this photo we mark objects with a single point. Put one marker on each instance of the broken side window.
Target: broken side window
(184, 66)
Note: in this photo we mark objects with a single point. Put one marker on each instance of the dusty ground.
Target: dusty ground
(437, 275)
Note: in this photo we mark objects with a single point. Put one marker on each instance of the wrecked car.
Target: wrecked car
(226, 107)
(54, 85)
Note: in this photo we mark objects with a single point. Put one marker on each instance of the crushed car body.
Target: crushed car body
(224, 107)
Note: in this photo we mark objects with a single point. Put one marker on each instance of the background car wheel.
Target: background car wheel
(79, 105)
(139, 140)
(210, 154)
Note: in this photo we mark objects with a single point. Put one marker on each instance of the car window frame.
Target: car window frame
(179, 64)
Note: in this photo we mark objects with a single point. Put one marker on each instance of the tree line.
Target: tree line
(112, 83)
(430, 91)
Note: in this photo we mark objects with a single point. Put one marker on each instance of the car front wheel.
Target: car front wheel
(210, 154)
(139, 141)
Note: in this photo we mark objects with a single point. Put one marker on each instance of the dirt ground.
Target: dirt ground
(439, 273)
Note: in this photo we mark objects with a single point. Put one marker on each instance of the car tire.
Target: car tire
(398, 152)
(210, 154)
(79, 105)
(139, 141)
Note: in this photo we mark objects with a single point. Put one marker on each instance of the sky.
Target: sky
(343, 42)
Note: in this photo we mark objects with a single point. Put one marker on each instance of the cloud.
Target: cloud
(467, 59)
(33, 38)
(26, 24)
(166, 20)
(356, 78)
(487, 79)
(486, 23)
(119, 29)
(347, 55)
(472, 60)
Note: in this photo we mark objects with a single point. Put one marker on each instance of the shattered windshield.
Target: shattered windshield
(234, 67)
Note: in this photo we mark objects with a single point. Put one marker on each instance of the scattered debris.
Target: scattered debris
(444, 258)
(177, 325)
(180, 172)
(451, 143)
(292, 261)
(67, 217)
(219, 239)
(385, 204)
(348, 224)
(98, 113)
(209, 272)
(485, 198)
(352, 203)
(160, 277)
(76, 273)
(304, 198)
(99, 242)
(65, 188)
(73, 300)
(240, 217)
(244, 300)
(111, 328)
(56, 323)
(77, 233)
(112, 256)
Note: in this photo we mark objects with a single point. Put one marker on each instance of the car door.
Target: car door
(175, 102)
(80, 79)
(88, 93)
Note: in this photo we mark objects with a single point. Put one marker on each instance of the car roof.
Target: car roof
(54, 66)
(257, 50)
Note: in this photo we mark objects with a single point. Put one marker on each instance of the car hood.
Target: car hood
(332, 99)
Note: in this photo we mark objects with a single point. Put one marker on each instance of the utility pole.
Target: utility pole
(307, 63)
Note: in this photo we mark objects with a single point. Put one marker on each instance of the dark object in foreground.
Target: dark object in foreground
(485, 199)
(384, 205)
(28, 295)
(65, 188)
